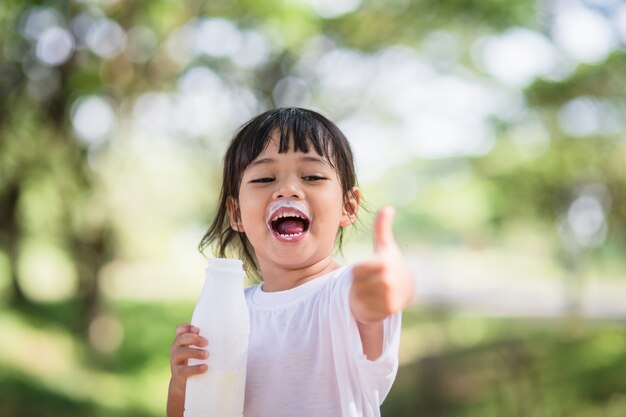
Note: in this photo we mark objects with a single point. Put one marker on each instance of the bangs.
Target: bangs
(295, 130)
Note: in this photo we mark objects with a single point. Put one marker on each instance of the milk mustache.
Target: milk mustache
(221, 314)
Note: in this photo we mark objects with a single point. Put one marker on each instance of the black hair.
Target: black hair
(299, 128)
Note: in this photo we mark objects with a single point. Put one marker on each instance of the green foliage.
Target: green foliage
(525, 368)
(135, 202)
(18, 394)
(148, 334)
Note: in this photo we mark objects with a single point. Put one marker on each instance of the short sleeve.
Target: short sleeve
(375, 377)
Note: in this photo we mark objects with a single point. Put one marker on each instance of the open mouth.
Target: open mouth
(288, 220)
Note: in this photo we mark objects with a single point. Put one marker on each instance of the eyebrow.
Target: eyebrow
(302, 159)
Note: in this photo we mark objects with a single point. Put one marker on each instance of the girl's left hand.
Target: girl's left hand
(384, 284)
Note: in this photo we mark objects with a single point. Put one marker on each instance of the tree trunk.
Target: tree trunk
(9, 241)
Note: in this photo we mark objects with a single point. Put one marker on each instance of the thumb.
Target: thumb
(383, 229)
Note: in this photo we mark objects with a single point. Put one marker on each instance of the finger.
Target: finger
(182, 355)
(192, 339)
(185, 371)
(187, 339)
(383, 229)
(186, 328)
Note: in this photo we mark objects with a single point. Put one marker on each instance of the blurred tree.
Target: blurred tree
(75, 75)
(81, 80)
(44, 176)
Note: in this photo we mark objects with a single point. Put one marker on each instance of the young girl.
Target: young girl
(324, 338)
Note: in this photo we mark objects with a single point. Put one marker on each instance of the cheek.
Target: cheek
(331, 207)
(249, 211)
(249, 218)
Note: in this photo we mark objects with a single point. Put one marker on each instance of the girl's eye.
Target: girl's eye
(313, 178)
(262, 180)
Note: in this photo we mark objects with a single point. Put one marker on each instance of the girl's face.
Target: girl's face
(291, 207)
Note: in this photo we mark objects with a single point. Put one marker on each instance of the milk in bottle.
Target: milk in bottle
(221, 314)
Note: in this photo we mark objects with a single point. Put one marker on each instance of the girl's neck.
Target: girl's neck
(277, 278)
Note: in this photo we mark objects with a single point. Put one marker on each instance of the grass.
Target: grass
(453, 365)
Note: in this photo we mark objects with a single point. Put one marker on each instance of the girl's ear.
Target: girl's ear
(233, 214)
(351, 206)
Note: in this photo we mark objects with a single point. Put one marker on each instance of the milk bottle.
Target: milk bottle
(222, 316)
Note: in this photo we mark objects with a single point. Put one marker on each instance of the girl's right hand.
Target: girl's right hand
(182, 350)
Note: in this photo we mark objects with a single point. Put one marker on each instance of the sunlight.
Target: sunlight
(619, 19)
(496, 130)
(583, 34)
(518, 56)
(38, 20)
(254, 50)
(216, 37)
(46, 274)
(105, 38)
(584, 224)
(93, 119)
(331, 9)
(55, 46)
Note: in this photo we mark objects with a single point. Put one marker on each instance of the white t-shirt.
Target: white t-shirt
(305, 355)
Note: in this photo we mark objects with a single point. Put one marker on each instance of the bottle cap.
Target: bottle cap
(235, 265)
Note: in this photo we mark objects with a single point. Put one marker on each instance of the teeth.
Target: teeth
(287, 215)
(287, 208)
(289, 236)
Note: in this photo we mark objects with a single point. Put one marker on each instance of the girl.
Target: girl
(324, 338)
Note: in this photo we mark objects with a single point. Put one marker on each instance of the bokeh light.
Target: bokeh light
(46, 273)
(585, 223)
(496, 129)
(584, 34)
(586, 116)
(106, 333)
(105, 38)
(218, 38)
(334, 8)
(141, 44)
(93, 119)
(55, 46)
(519, 56)
(39, 19)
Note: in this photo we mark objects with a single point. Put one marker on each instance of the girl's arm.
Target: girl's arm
(381, 286)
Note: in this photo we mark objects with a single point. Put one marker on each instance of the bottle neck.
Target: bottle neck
(223, 279)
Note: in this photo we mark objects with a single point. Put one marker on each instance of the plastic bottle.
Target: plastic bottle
(222, 316)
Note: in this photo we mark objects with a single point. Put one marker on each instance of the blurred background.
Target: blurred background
(496, 128)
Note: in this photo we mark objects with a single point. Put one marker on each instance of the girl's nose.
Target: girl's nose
(288, 189)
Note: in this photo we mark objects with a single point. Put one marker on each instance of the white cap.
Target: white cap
(226, 264)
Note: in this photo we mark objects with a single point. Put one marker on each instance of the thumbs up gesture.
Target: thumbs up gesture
(383, 284)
